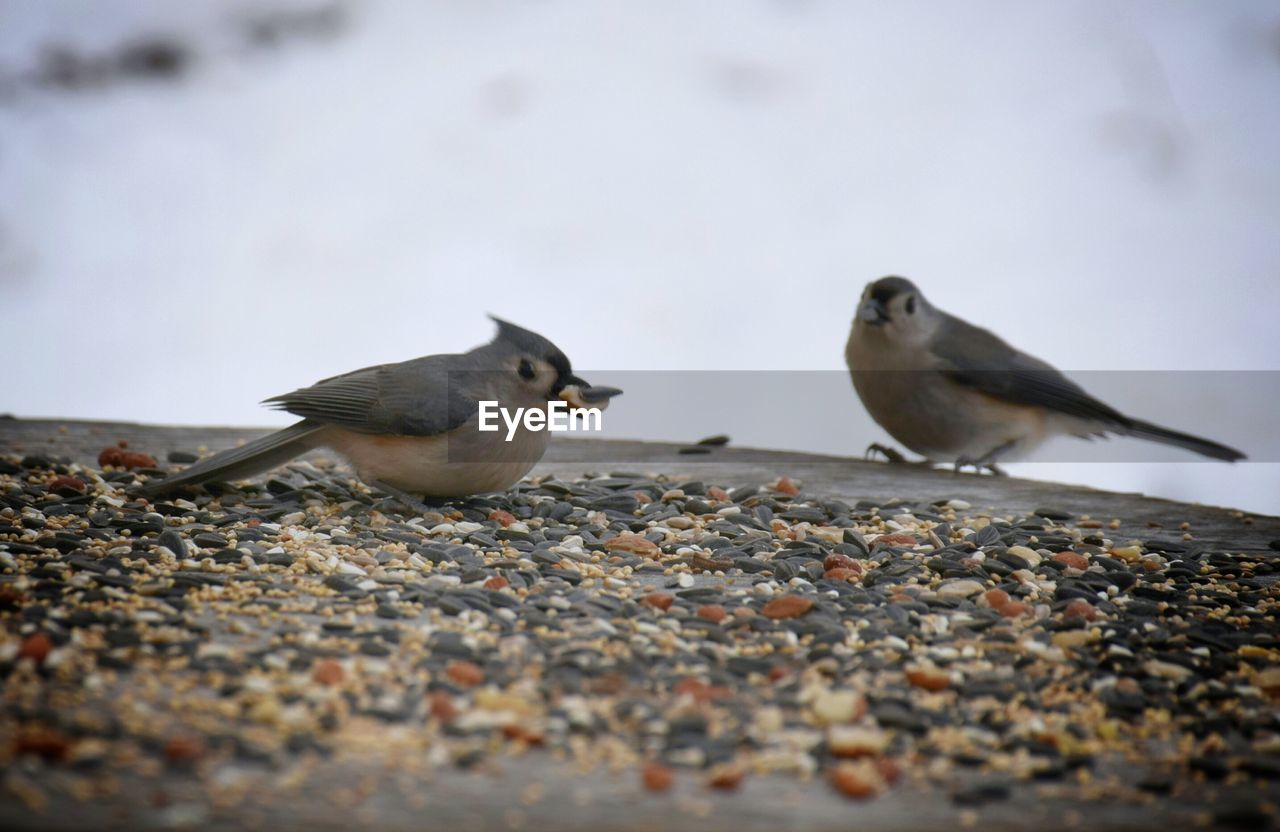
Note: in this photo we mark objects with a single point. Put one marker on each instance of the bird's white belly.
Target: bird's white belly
(453, 465)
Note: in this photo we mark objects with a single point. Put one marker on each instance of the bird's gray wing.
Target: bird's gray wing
(975, 358)
(422, 397)
(260, 455)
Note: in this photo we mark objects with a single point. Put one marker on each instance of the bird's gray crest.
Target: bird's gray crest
(530, 342)
(522, 338)
(887, 288)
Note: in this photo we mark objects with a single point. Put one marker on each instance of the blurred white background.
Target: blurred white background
(316, 187)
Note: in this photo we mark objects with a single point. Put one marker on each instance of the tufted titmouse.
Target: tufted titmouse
(953, 392)
(414, 427)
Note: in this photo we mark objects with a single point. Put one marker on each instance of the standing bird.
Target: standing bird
(413, 428)
(951, 391)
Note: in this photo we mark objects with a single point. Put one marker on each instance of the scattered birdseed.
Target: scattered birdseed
(644, 623)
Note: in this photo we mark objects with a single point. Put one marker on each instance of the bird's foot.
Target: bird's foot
(891, 455)
(979, 466)
(406, 499)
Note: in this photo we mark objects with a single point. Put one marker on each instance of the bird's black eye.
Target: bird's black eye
(525, 369)
(911, 305)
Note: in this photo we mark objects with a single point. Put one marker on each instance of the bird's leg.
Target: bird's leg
(987, 461)
(408, 500)
(891, 455)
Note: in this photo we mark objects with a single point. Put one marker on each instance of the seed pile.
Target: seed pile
(684, 630)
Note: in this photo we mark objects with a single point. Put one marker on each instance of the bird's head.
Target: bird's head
(894, 309)
(542, 371)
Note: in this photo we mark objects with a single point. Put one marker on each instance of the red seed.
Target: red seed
(841, 562)
(718, 494)
(67, 486)
(660, 600)
(1079, 610)
(634, 544)
(183, 750)
(1072, 560)
(711, 612)
(856, 780)
(786, 486)
(523, 733)
(699, 690)
(1000, 601)
(132, 459)
(727, 776)
(657, 777)
(47, 744)
(36, 647)
(327, 672)
(788, 606)
(841, 574)
(929, 678)
(504, 518)
(496, 582)
(441, 706)
(121, 458)
(898, 539)
(464, 673)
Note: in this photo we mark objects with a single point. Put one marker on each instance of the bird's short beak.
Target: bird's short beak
(872, 312)
(579, 393)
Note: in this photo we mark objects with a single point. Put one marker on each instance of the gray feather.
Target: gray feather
(1205, 447)
(975, 358)
(422, 397)
(238, 463)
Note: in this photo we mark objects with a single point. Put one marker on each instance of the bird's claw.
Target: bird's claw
(891, 455)
(979, 466)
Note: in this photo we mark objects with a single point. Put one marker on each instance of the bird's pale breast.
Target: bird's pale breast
(464, 461)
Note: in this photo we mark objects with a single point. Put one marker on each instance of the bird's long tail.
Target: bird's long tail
(249, 459)
(1146, 430)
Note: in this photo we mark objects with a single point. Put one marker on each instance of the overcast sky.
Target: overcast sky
(654, 186)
